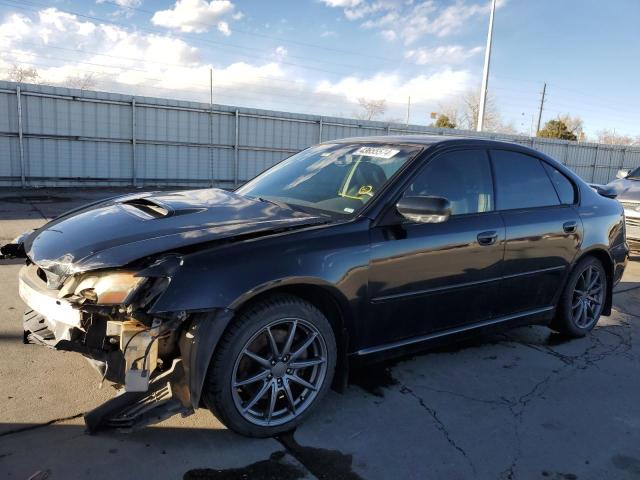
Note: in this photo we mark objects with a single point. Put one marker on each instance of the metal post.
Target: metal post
(133, 143)
(320, 133)
(595, 161)
(20, 142)
(485, 73)
(235, 153)
(408, 111)
(211, 126)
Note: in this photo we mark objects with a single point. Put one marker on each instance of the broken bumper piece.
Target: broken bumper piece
(168, 394)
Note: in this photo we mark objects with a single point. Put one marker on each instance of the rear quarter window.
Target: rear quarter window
(564, 187)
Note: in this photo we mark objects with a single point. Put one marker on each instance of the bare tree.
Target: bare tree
(574, 124)
(463, 112)
(20, 74)
(610, 137)
(85, 81)
(371, 109)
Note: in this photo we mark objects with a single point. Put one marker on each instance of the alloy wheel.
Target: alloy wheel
(279, 372)
(588, 297)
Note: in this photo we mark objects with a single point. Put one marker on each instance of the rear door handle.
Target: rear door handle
(487, 238)
(570, 227)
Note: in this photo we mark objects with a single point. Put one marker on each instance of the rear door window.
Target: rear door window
(521, 181)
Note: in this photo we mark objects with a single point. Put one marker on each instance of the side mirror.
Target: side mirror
(622, 174)
(424, 209)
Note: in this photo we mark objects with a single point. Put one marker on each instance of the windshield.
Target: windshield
(335, 178)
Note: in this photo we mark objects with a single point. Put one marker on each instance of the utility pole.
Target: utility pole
(485, 73)
(544, 92)
(408, 109)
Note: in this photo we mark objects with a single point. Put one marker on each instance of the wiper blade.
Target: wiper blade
(275, 202)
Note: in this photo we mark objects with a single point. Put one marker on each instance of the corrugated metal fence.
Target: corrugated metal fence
(51, 136)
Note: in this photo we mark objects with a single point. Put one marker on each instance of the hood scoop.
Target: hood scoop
(147, 208)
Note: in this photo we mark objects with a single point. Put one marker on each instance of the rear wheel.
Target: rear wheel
(583, 299)
(272, 367)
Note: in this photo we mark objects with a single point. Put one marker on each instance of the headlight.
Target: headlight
(110, 288)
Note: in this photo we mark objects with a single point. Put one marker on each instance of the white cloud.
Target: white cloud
(341, 3)
(390, 35)
(195, 16)
(393, 88)
(280, 53)
(445, 22)
(412, 21)
(449, 54)
(63, 46)
(124, 3)
(328, 33)
(223, 28)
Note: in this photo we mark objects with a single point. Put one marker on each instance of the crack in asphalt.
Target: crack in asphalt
(596, 351)
(438, 423)
(626, 289)
(501, 402)
(40, 425)
(590, 357)
(36, 209)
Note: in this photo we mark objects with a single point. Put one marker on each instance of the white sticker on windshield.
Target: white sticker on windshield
(349, 210)
(379, 152)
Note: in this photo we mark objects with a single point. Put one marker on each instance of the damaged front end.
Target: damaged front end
(105, 316)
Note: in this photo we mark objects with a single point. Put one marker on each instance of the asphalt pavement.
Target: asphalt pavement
(522, 404)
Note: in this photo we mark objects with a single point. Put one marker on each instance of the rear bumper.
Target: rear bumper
(620, 257)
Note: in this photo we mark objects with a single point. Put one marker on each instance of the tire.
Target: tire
(235, 378)
(578, 313)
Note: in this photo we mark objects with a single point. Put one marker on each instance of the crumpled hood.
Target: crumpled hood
(121, 230)
(626, 189)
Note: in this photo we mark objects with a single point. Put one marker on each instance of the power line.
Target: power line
(31, 5)
(273, 37)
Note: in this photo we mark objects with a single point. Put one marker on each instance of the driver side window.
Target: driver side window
(462, 177)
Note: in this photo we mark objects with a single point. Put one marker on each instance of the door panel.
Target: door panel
(542, 231)
(429, 277)
(425, 278)
(537, 255)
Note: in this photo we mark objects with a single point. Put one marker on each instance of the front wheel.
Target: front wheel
(271, 368)
(582, 301)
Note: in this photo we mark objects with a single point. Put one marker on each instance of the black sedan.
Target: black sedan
(253, 303)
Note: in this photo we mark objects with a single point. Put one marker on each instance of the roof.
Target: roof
(414, 139)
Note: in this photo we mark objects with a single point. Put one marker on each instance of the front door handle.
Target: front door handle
(570, 227)
(487, 238)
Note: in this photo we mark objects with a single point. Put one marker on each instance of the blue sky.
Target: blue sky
(321, 56)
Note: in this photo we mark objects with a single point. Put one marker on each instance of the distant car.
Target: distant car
(627, 189)
(251, 303)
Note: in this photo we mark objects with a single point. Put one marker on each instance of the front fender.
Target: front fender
(227, 276)
(197, 344)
